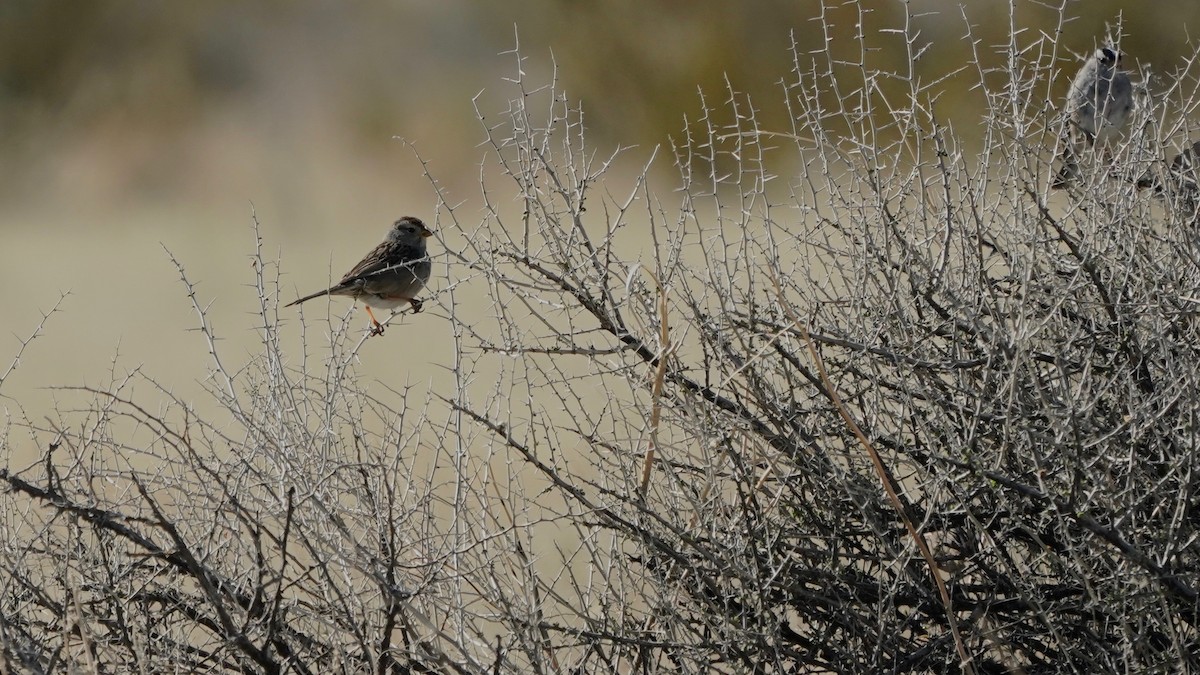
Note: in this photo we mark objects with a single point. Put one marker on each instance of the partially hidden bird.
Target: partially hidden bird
(1099, 103)
(390, 275)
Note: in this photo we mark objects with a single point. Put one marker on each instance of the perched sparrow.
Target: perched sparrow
(1098, 105)
(390, 275)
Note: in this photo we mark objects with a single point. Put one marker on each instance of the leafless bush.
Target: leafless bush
(892, 408)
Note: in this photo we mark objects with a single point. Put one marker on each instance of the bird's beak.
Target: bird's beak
(426, 233)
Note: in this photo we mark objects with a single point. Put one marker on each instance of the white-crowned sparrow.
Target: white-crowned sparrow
(390, 275)
(1098, 105)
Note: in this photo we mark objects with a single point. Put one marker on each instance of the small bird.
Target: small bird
(390, 275)
(1098, 105)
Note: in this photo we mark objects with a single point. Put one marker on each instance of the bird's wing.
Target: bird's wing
(374, 262)
(384, 257)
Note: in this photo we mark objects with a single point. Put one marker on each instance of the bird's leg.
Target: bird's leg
(416, 305)
(376, 327)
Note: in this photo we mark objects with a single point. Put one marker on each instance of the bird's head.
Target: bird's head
(1108, 57)
(409, 230)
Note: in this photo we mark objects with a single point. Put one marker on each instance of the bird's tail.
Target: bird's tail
(309, 297)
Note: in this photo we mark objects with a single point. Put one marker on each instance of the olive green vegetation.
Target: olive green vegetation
(71, 69)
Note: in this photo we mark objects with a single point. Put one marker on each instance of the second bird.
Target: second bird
(389, 276)
(1098, 105)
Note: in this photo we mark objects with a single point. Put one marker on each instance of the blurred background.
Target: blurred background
(127, 126)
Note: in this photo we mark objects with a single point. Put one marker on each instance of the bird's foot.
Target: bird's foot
(416, 305)
(376, 327)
